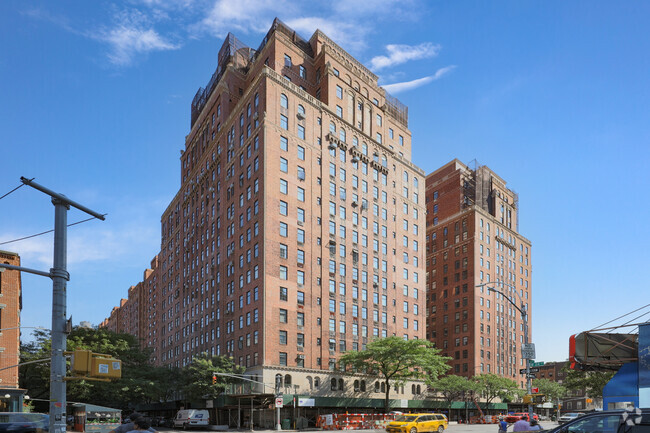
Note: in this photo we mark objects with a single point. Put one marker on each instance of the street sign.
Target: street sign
(278, 402)
(536, 364)
(532, 376)
(528, 351)
(532, 370)
(534, 390)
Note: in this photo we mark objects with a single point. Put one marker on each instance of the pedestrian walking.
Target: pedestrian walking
(503, 425)
(130, 426)
(521, 425)
(534, 425)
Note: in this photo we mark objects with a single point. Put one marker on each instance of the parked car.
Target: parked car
(630, 421)
(191, 418)
(20, 422)
(514, 417)
(417, 423)
(569, 416)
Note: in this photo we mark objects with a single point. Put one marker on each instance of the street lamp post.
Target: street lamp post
(524, 318)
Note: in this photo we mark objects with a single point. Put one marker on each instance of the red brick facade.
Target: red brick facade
(472, 238)
(10, 306)
(298, 230)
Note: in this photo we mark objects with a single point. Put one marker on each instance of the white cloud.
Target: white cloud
(350, 36)
(409, 85)
(127, 41)
(398, 54)
(244, 15)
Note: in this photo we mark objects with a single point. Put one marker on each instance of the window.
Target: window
(339, 92)
(301, 194)
(284, 186)
(284, 143)
(301, 132)
(339, 111)
(284, 101)
(283, 337)
(301, 153)
(283, 315)
(284, 165)
(283, 358)
(284, 294)
(284, 230)
(283, 272)
(283, 208)
(287, 62)
(284, 122)
(303, 72)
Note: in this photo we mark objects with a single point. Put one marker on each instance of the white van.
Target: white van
(191, 418)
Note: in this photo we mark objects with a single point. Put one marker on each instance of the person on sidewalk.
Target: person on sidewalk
(129, 426)
(503, 425)
(522, 424)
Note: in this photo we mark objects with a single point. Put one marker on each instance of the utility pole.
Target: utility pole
(60, 276)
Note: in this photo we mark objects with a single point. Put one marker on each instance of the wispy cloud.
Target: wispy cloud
(244, 15)
(132, 35)
(398, 54)
(410, 85)
(350, 36)
(128, 42)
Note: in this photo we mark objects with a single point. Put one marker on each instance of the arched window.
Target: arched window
(284, 101)
(383, 387)
(301, 110)
(356, 385)
(333, 384)
(363, 386)
(377, 386)
(418, 389)
(413, 389)
(341, 385)
(287, 380)
(309, 381)
(316, 382)
(342, 135)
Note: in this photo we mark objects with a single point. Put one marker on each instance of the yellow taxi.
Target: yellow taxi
(418, 423)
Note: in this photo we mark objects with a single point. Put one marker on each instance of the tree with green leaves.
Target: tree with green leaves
(592, 382)
(453, 387)
(552, 390)
(396, 360)
(140, 383)
(197, 376)
(492, 386)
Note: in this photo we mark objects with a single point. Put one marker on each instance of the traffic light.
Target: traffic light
(214, 379)
(84, 364)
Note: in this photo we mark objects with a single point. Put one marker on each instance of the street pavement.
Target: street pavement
(453, 428)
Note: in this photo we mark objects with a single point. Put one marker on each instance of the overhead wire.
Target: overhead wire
(15, 189)
(620, 317)
(43, 233)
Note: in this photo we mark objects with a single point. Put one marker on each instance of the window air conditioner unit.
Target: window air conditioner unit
(331, 146)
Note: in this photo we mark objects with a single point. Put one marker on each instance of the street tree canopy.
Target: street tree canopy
(492, 386)
(552, 390)
(453, 387)
(592, 382)
(197, 380)
(396, 360)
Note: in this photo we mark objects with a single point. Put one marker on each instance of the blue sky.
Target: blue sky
(95, 103)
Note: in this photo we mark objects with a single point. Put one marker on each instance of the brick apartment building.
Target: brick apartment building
(575, 400)
(298, 230)
(473, 238)
(10, 306)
